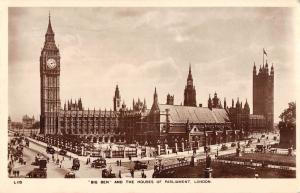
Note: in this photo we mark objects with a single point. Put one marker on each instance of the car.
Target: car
(62, 152)
(50, 150)
(224, 147)
(259, 148)
(107, 174)
(233, 144)
(140, 165)
(70, 175)
(37, 173)
(99, 163)
(76, 164)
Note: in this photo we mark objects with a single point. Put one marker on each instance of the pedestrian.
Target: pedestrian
(132, 173)
(110, 169)
(18, 172)
(87, 161)
(63, 158)
(143, 174)
(117, 162)
(120, 176)
(120, 163)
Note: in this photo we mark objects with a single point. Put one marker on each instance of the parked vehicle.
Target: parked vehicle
(233, 144)
(62, 152)
(140, 165)
(76, 164)
(99, 163)
(50, 150)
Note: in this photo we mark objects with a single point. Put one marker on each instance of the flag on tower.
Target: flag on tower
(265, 52)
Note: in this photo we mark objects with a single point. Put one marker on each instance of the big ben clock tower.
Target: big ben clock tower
(49, 73)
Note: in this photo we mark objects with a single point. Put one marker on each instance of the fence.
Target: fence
(118, 154)
(131, 153)
(255, 163)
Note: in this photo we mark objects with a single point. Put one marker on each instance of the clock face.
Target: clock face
(51, 63)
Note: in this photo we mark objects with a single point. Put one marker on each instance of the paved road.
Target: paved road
(86, 171)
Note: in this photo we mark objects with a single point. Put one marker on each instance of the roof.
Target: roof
(182, 114)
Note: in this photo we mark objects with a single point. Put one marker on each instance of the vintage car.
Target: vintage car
(62, 152)
(259, 148)
(224, 147)
(140, 165)
(50, 150)
(107, 174)
(233, 144)
(76, 164)
(37, 173)
(99, 163)
(70, 175)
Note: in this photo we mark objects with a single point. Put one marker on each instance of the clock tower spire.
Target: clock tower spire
(49, 76)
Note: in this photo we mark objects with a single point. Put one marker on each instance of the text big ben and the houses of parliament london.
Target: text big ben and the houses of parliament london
(216, 123)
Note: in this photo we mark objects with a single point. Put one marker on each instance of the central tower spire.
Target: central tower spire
(190, 91)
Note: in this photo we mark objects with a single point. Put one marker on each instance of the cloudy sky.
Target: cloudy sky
(140, 48)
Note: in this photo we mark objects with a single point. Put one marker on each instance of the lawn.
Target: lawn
(222, 170)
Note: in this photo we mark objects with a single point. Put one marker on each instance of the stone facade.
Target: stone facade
(263, 93)
(190, 91)
(161, 123)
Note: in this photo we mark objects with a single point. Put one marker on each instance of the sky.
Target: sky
(143, 48)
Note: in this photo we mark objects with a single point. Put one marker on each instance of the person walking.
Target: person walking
(132, 173)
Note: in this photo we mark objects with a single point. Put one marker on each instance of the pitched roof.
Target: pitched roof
(182, 114)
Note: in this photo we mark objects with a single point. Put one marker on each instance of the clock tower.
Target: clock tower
(49, 74)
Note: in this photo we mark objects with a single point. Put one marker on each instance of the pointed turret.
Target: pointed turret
(155, 101)
(190, 77)
(246, 107)
(49, 29)
(254, 69)
(190, 91)
(133, 103)
(237, 105)
(144, 105)
(209, 105)
(49, 37)
(272, 70)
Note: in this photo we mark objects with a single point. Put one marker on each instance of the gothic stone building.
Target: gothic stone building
(161, 123)
(263, 94)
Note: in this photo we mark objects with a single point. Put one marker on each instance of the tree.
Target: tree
(289, 114)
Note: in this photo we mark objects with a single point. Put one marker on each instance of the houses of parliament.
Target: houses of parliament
(161, 122)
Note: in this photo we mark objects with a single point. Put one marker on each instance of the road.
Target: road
(86, 171)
